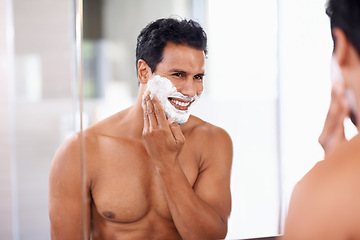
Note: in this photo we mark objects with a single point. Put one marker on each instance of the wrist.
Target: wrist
(166, 165)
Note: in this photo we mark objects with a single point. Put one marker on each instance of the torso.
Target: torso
(128, 200)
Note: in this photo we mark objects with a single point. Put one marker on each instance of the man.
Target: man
(147, 176)
(326, 203)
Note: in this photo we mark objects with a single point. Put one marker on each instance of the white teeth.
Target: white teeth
(182, 104)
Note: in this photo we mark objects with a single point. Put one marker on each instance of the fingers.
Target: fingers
(333, 117)
(158, 112)
(333, 131)
(176, 131)
(154, 116)
(339, 106)
(155, 119)
(150, 119)
(151, 115)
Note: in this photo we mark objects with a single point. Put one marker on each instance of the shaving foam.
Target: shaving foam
(163, 89)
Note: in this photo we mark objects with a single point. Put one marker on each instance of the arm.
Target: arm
(65, 194)
(202, 212)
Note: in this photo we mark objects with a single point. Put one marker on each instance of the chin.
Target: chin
(180, 120)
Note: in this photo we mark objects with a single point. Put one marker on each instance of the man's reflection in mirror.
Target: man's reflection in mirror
(326, 203)
(153, 171)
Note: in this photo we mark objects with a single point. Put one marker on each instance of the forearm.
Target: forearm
(194, 218)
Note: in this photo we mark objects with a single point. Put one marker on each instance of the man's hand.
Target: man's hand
(163, 138)
(333, 131)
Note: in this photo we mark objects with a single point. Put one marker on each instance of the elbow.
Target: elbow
(221, 231)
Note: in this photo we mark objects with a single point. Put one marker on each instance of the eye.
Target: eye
(199, 77)
(178, 74)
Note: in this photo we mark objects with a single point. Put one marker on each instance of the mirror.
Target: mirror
(240, 87)
(267, 84)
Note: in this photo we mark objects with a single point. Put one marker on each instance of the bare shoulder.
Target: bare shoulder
(214, 142)
(70, 150)
(67, 154)
(208, 132)
(324, 203)
(89, 142)
(335, 177)
(303, 214)
(320, 190)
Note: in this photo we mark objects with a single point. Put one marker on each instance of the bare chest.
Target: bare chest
(126, 187)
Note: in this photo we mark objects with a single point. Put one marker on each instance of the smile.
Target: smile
(180, 104)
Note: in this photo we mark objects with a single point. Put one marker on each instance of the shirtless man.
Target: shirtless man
(326, 203)
(148, 177)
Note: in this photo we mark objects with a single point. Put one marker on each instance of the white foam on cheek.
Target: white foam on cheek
(163, 89)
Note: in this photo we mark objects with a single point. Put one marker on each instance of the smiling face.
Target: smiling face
(178, 80)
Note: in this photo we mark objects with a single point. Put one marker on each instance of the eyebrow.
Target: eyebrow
(177, 70)
(200, 74)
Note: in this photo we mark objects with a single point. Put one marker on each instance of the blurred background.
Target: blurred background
(267, 84)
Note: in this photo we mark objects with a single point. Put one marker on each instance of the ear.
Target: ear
(144, 71)
(341, 50)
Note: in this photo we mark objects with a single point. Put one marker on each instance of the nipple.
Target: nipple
(108, 214)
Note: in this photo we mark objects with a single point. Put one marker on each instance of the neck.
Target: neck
(136, 114)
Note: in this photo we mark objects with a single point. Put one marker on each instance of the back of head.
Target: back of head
(345, 14)
(154, 37)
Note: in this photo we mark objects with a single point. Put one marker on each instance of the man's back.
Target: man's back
(325, 203)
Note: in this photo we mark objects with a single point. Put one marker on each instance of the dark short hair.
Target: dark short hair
(154, 37)
(345, 14)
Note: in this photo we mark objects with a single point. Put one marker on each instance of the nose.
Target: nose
(189, 88)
